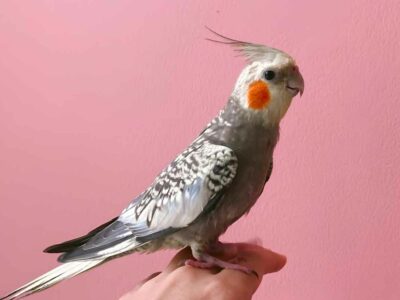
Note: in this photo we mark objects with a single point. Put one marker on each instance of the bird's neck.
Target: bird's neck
(235, 115)
(235, 126)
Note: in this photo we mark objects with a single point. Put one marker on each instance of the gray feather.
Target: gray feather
(107, 239)
(250, 51)
(182, 191)
(176, 198)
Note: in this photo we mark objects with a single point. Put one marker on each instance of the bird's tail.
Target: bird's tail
(64, 271)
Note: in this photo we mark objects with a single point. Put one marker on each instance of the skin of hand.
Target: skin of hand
(181, 282)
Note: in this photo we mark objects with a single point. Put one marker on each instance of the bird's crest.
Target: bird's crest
(251, 52)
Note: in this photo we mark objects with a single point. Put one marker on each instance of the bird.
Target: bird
(206, 188)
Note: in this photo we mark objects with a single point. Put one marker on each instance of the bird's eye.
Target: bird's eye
(269, 75)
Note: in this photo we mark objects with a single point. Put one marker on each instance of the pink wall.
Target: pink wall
(97, 96)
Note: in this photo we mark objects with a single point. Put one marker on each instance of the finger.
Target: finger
(179, 260)
(270, 261)
(256, 258)
(150, 277)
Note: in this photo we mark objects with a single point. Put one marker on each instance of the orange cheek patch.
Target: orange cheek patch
(258, 95)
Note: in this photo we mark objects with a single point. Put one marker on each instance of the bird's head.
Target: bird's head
(269, 81)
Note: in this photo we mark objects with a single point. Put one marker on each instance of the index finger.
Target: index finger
(257, 258)
(179, 260)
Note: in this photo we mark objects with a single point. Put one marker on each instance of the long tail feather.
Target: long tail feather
(53, 277)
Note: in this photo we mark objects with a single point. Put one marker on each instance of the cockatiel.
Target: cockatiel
(210, 185)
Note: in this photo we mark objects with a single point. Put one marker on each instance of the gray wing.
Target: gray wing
(182, 191)
(185, 189)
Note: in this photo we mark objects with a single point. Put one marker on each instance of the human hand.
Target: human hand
(180, 282)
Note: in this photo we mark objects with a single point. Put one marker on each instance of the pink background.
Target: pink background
(97, 96)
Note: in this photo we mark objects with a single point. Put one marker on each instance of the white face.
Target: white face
(267, 87)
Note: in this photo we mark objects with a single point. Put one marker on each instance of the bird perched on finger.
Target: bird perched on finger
(209, 186)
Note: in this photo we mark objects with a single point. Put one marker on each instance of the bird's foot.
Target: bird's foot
(207, 261)
(199, 264)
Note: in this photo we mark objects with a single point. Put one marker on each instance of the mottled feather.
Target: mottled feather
(175, 199)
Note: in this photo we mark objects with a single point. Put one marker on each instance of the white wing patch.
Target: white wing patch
(182, 191)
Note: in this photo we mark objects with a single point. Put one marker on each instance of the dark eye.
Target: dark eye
(269, 75)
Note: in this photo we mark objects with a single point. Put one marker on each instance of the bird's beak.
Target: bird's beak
(295, 82)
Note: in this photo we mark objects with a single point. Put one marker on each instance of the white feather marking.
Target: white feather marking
(53, 277)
